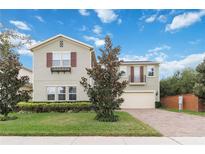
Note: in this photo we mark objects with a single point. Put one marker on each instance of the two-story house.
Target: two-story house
(59, 63)
(143, 84)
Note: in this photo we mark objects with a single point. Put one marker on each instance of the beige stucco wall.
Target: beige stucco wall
(151, 84)
(43, 76)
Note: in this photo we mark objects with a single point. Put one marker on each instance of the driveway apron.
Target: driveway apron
(171, 124)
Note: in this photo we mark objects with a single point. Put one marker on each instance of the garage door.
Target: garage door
(133, 100)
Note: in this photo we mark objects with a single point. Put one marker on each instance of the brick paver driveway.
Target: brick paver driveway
(171, 124)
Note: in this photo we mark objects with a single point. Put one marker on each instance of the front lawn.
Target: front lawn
(73, 124)
(187, 112)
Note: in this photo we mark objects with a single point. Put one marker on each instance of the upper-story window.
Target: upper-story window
(61, 59)
(137, 74)
(61, 43)
(124, 70)
(150, 70)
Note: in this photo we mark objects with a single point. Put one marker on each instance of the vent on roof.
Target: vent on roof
(61, 43)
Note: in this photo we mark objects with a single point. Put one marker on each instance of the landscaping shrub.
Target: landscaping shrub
(158, 104)
(54, 106)
(3, 118)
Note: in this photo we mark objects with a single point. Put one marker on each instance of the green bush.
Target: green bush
(54, 106)
(158, 104)
(3, 118)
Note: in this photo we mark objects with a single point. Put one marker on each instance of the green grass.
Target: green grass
(187, 112)
(73, 124)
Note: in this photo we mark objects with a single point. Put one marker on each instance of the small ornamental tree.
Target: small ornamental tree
(199, 88)
(10, 82)
(106, 89)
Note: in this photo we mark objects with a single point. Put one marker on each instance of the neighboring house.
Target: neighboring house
(60, 62)
(27, 72)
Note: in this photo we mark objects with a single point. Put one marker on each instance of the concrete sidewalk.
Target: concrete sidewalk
(97, 140)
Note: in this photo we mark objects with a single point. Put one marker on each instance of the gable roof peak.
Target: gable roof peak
(60, 35)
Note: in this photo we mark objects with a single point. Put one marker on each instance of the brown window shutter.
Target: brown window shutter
(141, 74)
(132, 74)
(73, 59)
(49, 57)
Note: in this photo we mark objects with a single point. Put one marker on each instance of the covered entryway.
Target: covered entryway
(138, 100)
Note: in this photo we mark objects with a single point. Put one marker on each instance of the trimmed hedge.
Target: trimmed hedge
(54, 106)
(59, 102)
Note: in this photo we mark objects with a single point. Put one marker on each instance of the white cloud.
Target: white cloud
(156, 54)
(98, 42)
(156, 49)
(20, 24)
(97, 29)
(119, 21)
(140, 26)
(39, 18)
(194, 42)
(185, 20)
(24, 50)
(84, 12)
(24, 40)
(168, 68)
(151, 19)
(162, 18)
(106, 16)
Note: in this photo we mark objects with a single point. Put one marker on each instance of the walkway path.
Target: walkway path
(96, 140)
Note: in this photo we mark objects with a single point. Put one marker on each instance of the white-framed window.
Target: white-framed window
(61, 93)
(124, 70)
(61, 59)
(51, 93)
(72, 95)
(56, 60)
(137, 74)
(150, 70)
(65, 59)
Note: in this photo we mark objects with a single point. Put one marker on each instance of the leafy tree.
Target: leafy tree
(106, 89)
(187, 81)
(181, 82)
(10, 82)
(199, 88)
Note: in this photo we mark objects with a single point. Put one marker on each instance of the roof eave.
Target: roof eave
(60, 35)
(135, 63)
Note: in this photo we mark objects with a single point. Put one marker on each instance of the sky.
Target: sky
(175, 38)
